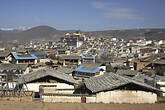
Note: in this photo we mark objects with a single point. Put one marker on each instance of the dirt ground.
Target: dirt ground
(37, 105)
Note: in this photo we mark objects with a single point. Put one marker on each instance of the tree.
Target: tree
(80, 85)
(160, 70)
(51, 56)
(109, 68)
(104, 57)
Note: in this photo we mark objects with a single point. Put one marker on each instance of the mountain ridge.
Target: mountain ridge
(49, 33)
(39, 32)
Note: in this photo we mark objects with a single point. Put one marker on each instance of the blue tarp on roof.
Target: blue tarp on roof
(79, 69)
(32, 57)
(83, 57)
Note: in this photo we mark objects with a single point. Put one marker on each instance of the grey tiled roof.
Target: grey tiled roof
(110, 81)
(65, 70)
(13, 66)
(62, 49)
(153, 57)
(91, 65)
(159, 61)
(24, 55)
(43, 73)
(71, 57)
(127, 72)
(142, 78)
(37, 52)
(4, 54)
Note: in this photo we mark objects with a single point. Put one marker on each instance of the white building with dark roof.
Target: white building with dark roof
(113, 88)
(32, 81)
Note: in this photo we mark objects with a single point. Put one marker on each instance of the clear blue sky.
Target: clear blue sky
(87, 15)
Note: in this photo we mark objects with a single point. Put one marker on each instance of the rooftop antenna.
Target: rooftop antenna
(137, 28)
(140, 32)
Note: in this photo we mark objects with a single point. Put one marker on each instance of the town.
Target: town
(83, 69)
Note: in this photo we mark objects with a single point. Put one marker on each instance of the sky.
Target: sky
(87, 15)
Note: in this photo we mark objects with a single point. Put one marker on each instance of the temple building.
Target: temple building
(75, 39)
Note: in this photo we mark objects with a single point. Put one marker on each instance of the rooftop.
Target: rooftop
(71, 57)
(4, 54)
(65, 70)
(25, 56)
(110, 81)
(159, 61)
(91, 65)
(87, 69)
(46, 72)
(153, 57)
(13, 66)
(37, 52)
(84, 57)
(127, 72)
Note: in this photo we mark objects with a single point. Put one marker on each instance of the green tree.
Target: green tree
(51, 56)
(109, 68)
(80, 85)
(160, 70)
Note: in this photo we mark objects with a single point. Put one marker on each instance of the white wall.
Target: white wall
(103, 67)
(44, 60)
(57, 91)
(27, 70)
(79, 43)
(162, 88)
(35, 61)
(35, 86)
(91, 99)
(126, 96)
(66, 99)
(116, 96)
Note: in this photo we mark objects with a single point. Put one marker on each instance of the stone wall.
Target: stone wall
(65, 99)
(117, 96)
(91, 99)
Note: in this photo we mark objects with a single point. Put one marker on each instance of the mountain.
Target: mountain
(150, 34)
(36, 33)
(12, 30)
(155, 34)
(125, 34)
(45, 33)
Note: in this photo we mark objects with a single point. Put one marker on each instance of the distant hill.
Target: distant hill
(150, 34)
(36, 33)
(4, 31)
(155, 34)
(9, 31)
(125, 34)
(44, 33)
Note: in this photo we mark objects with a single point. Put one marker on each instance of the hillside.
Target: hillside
(155, 34)
(43, 33)
(36, 33)
(150, 34)
(125, 34)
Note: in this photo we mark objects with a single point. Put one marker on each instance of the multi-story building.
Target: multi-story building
(88, 70)
(75, 39)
